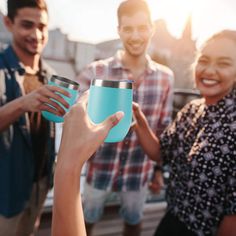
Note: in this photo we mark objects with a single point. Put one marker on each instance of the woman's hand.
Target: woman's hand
(81, 137)
(147, 138)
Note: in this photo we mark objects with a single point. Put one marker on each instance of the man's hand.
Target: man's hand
(39, 99)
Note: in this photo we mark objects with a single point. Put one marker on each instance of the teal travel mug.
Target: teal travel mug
(68, 85)
(106, 97)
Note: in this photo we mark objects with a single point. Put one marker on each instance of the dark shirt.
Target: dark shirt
(17, 160)
(200, 149)
(38, 128)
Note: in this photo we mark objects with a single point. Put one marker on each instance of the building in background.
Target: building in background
(177, 53)
(5, 36)
(68, 57)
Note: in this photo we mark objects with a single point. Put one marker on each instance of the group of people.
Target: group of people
(198, 146)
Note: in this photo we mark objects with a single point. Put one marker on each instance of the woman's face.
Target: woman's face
(215, 71)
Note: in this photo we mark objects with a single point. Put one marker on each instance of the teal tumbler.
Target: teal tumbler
(106, 97)
(68, 85)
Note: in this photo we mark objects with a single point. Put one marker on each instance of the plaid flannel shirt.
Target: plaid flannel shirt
(123, 166)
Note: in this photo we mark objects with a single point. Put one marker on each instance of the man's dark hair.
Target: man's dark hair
(130, 7)
(14, 5)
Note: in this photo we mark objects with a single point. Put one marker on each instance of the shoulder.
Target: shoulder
(195, 104)
(191, 107)
(161, 68)
(162, 73)
(102, 63)
(100, 67)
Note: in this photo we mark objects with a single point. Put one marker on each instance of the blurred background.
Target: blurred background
(82, 31)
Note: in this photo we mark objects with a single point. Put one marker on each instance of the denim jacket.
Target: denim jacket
(16, 154)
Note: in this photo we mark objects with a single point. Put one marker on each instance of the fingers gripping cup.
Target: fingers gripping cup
(68, 85)
(107, 97)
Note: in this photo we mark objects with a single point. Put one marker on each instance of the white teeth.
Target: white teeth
(209, 81)
(136, 45)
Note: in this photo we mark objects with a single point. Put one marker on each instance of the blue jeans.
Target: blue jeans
(132, 204)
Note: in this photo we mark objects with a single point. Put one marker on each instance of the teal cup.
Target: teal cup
(106, 97)
(68, 85)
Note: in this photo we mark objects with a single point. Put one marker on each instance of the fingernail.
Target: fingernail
(119, 114)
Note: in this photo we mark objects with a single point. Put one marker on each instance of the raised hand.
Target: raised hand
(81, 135)
(39, 99)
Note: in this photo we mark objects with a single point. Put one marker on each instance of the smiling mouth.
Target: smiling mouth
(209, 82)
(136, 44)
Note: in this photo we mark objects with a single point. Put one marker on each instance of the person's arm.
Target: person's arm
(227, 226)
(148, 140)
(80, 139)
(32, 102)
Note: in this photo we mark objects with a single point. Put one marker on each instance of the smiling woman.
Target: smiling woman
(199, 148)
(215, 69)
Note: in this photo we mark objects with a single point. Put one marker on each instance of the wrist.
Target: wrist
(22, 105)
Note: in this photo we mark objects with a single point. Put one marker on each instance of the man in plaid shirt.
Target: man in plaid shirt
(123, 167)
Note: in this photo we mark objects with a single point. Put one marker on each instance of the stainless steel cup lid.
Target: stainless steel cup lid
(64, 82)
(123, 84)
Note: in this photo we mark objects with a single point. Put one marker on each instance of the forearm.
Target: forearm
(75, 149)
(150, 143)
(227, 226)
(10, 112)
(67, 208)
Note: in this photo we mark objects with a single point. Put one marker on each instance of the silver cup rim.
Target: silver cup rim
(123, 84)
(64, 82)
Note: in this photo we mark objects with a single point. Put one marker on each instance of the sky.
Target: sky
(95, 21)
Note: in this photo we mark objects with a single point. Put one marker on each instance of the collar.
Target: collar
(117, 62)
(224, 104)
(15, 65)
(12, 61)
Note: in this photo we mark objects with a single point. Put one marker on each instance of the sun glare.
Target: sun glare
(175, 13)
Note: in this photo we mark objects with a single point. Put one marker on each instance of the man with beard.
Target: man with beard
(26, 139)
(123, 167)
